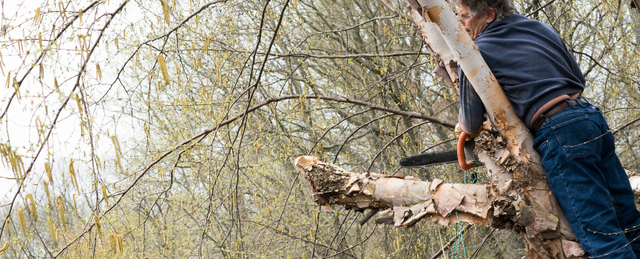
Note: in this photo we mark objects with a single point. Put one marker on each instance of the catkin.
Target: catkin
(72, 171)
(146, 130)
(75, 207)
(53, 231)
(165, 11)
(79, 103)
(112, 243)
(4, 248)
(104, 194)
(38, 17)
(46, 189)
(6, 223)
(23, 224)
(61, 211)
(116, 145)
(8, 79)
(98, 72)
(33, 207)
(163, 67)
(119, 239)
(98, 228)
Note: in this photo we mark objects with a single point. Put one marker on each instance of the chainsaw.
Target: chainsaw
(439, 157)
(466, 158)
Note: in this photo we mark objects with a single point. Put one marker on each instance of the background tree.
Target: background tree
(168, 128)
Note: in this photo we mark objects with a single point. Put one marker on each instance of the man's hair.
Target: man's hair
(477, 7)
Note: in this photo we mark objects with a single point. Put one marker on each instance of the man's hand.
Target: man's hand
(458, 130)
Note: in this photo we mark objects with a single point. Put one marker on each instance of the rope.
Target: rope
(473, 172)
(459, 241)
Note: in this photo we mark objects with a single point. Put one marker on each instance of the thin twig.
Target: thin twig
(625, 125)
(391, 141)
(332, 127)
(346, 231)
(338, 56)
(283, 233)
(338, 231)
(356, 245)
(475, 253)
(255, 85)
(540, 8)
(436, 255)
(42, 54)
(335, 158)
(315, 233)
(117, 77)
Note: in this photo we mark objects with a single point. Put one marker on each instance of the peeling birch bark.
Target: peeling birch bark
(403, 202)
(447, 66)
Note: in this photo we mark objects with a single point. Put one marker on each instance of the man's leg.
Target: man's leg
(621, 194)
(570, 145)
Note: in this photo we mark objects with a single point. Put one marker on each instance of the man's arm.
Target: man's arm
(471, 108)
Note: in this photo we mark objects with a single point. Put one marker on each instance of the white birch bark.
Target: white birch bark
(447, 66)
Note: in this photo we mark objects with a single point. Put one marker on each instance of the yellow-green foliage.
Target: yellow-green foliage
(163, 161)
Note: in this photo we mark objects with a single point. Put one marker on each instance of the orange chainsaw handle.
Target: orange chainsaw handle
(461, 157)
(462, 160)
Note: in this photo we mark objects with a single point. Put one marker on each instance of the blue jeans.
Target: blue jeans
(587, 179)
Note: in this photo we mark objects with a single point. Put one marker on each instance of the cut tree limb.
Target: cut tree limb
(403, 202)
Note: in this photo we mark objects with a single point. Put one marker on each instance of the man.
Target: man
(543, 83)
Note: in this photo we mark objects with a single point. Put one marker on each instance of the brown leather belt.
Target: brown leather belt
(561, 106)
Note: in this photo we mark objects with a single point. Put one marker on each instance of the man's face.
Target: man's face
(472, 24)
